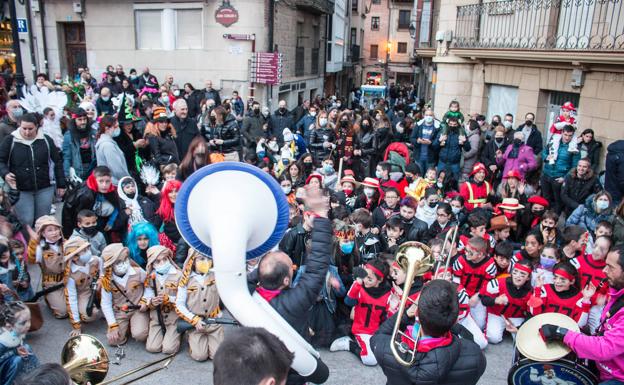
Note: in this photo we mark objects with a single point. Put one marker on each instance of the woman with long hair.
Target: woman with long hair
(107, 152)
(196, 157)
(168, 233)
(222, 134)
(160, 135)
(345, 141)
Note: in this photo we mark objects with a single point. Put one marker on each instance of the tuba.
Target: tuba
(234, 212)
(415, 259)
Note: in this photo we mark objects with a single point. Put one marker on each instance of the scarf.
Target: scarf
(136, 215)
(526, 131)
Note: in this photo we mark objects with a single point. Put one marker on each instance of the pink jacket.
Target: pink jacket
(524, 163)
(606, 350)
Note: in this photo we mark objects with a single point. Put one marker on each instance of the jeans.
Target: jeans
(34, 204)
(448, 167)
(612, 382)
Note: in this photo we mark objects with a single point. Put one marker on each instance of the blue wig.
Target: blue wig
(141, 229)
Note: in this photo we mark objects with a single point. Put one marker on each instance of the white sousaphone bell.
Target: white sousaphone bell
(233, 212)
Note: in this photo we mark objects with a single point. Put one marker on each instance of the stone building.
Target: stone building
(518, 57)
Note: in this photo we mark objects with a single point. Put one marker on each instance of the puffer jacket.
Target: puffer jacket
(228, 132)
(471, 155)
(566, 161)
(319, 136)
(293, 244)
(451, 152)
(575, 189)
(163, 149)
(31, 162)
(459, 363)
(586, 216)
(523, 163)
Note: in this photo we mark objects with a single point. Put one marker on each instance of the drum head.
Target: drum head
(527, 372)
(530, 343)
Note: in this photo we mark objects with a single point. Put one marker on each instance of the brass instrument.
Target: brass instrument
(415, 259)
(445, 255)
(86, 360)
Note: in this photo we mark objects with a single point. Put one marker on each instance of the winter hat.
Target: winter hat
(568, 106)
(74, 246)
(315, 175)
(159, 114)
(288, 135)
(513, 174)
(111, 253)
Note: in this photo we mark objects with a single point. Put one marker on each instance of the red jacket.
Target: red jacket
(475, 195)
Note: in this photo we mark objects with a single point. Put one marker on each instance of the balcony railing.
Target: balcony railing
(299, 61)
(316, 6)
(354, 54)
(315, 61)
(593, 25)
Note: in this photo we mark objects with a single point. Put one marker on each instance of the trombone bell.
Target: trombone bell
(85, 359)
(415, 259)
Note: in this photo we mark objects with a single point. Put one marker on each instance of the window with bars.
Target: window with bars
(375, 23)
(402, 47)
(374, 51)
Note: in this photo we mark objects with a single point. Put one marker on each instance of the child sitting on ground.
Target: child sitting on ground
(16, 357)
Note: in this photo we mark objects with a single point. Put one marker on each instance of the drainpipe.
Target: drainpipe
(43, 36)
(271, 44)
(31, 44)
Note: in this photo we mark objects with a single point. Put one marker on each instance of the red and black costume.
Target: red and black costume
(474, 276)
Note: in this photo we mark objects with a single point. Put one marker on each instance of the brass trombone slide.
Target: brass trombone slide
(445, 255)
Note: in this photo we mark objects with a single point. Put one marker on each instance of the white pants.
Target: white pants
(593, 320)
(496, 327)
(477, 334)
(366, 355)
(479, 314)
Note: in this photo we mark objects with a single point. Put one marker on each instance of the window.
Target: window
(353, 39)
(376, 1)
(404, 19)
(375, 23)
(161, 26)
(354, 6)
(502, 100)
(402, 48)
(373, 51)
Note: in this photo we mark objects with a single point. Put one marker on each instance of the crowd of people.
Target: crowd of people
(538, 226)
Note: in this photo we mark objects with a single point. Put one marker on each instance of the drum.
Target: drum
(538, 362)
(567, 370)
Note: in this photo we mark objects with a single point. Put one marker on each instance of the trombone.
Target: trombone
(416, 259)
(445, 256)
(86, 360)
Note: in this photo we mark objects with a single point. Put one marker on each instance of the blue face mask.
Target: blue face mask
(328, 168)
(261, 154)
(547, 263)
(378, 174)
(602, 205)
(347, 248)
(164, 268)
(116, 132)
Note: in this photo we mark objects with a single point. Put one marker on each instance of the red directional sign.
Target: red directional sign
(266, 67)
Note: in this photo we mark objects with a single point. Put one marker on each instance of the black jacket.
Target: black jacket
(279, 121)
(193, 102)
(252, 128)
(163, 149)
(186, 131)
(593, 153)
(575, 190)
(319, 136)
(614, 170)
(460, 363)
(228, 132)
(488, 154)
(534, 140)
(31, 163)
(294, 242)
(419, 231)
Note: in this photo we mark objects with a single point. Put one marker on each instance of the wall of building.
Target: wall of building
(111, 39)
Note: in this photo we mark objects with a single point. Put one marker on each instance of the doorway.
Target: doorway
(75, 47)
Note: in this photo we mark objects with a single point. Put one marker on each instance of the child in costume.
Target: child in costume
(81, 269)
(47, 251)
(161, 287)
(556, 129)
(197, 299)
(141, 237)
(122, 296)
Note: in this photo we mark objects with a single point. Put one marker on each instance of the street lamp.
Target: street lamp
(388, 49)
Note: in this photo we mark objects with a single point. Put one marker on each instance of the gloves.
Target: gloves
(359, 272)
(550, 333)
(73, 177)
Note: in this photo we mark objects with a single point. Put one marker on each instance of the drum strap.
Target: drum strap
(617, 305)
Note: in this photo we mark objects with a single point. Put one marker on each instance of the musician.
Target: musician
(161, 287)
(398, 274)
(606, 347)
(122, 292)
(198, 299)
(563, 295)
(81, 269)
(507, 297)
(442, 357)
(275, 273)
(47, 250)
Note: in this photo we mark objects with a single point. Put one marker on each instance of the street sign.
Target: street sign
(266, 67)
(22, 26)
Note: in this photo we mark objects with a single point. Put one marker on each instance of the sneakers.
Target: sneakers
(340, 344)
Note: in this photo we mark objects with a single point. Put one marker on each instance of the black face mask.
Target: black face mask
(307, 166)
(495, 122)
(256, 111)
(90, 230)
(365, 127)
(499, 140)
(528, 123)
(433, 204)
(344, 123)
(409, 179)
(213, 119)
(131, 196)
(282, 110)
(538, 213)
(517, 142)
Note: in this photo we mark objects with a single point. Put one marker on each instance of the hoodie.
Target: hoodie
(110, 155)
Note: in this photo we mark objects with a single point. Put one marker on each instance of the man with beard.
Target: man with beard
(606, 347)
(476, 189)
(79, 147)
(275, 275)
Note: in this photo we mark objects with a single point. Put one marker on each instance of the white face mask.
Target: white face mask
(323, 122)
(121, 268)
(85, 258)
(10, 338)
(286, 189)
(400, 129)
(369, 192)
(313, 113)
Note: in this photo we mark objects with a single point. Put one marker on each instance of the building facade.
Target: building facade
(336, 75)
(193, 40)
(518, 57)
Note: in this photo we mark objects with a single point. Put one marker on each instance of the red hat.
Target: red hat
(513, 174)
(315, 175)
(568, 106)
(349, 172)
(370, 182)
(536, 199)
(478, 167)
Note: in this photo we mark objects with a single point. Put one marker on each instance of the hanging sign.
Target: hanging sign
(226, 15)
